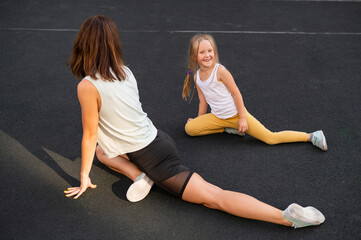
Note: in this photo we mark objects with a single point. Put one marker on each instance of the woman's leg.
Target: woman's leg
(257, 130)
(207, 124)
(120, 164)
(201, 192)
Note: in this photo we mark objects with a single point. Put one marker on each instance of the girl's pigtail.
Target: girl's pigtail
(187, 86)
(194, 88)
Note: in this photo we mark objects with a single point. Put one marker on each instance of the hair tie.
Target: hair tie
(189, 72)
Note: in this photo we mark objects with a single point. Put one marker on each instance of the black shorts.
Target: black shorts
(160, 161)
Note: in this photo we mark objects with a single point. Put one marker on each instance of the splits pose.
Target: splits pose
(129, 143)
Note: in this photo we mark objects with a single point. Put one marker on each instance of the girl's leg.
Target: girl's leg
(120, 164)
(257, 130)
(201, 192)
(206, 124)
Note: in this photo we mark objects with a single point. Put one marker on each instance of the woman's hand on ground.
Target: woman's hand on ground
(69, 192)
(189, 119)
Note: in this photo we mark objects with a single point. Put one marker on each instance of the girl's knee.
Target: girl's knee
(270, 141)
(190, 129)
(269, 138)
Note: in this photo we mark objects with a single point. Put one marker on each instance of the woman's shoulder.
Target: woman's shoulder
(85, 83)
(127, 70)
(86, 86)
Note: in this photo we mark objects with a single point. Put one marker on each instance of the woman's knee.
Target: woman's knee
(214, 201)
(100, 154)
(202, 192)
(212, 196)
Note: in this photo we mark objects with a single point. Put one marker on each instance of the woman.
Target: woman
(113, 117)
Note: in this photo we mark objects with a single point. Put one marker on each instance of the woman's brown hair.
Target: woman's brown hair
(192, 60)
(97, 49)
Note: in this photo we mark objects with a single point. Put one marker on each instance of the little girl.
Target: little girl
(216, 87)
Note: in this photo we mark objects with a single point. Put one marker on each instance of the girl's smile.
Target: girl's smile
(205, 54)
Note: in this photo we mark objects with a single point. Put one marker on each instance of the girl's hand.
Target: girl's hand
(189, 119)
(242, 125)
(69, 192)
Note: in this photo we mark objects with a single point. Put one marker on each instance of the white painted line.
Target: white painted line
(191, 31)
(341, 1)
(270, 32)
(69, 30)
(41, 29)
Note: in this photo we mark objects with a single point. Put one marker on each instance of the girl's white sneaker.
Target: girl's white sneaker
(319, 140)
(233, 131)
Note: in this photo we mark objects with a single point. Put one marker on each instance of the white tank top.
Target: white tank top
(217, 95)
(123, 125)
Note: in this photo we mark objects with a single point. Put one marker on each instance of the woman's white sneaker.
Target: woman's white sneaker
(303, 216)
(139, 189)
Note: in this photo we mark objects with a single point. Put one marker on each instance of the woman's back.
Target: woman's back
(123, 125)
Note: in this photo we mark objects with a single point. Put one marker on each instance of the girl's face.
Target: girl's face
(205, 56)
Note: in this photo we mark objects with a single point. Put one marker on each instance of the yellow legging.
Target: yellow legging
(209, 124)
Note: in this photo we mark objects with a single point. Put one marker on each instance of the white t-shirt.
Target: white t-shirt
(123, 125)
(217, 95)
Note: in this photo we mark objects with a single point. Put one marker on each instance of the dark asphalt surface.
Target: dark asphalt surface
(297, 64)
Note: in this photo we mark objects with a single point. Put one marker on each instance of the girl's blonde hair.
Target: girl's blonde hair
(192, 60)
